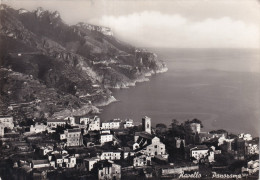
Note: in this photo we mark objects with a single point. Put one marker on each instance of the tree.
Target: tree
(196, 121)
(182, 149)
(161, 128)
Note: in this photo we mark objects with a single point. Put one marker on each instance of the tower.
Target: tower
(146, 124)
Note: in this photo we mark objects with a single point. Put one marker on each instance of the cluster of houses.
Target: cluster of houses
(106, 150)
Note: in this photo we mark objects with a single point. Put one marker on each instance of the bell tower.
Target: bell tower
(146, 124)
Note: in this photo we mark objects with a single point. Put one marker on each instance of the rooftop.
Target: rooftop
(144, 135)
(43, 161)
(57, 120)
(198, 147)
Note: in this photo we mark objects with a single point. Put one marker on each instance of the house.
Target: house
(40, 163)
(89, 162)
(38, 128)
(106, 137)
(79, 120)
(73, 136)
(195, 127)
(252, 147)
(226, 142)
(70, 120)
(112, 124)
(53, 123)
(128, 123)
(141, 160)
(63, 160)
(199, 153)
(7, 121)
(246, 137)
(110, 155)
(148, 144)
(107, 170)
(94, 124)
(45, 150)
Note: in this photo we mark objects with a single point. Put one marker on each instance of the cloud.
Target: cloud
(156, 29)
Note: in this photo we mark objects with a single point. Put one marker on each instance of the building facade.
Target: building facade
(7, 121)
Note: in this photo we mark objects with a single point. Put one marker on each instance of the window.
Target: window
(155, 146)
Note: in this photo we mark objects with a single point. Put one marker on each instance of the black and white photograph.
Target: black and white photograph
(129, 89)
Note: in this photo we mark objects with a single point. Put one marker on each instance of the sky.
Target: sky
(164, 23)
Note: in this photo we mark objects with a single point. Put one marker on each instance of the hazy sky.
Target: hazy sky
(165, 23)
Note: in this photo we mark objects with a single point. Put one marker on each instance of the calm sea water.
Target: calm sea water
(218, 86)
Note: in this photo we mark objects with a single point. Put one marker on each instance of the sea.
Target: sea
(220, 87)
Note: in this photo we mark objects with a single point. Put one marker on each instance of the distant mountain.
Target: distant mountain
(49, 68)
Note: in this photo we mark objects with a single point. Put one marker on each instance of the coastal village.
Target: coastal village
(84, 147)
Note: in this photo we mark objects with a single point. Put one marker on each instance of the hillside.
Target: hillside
(49, 68)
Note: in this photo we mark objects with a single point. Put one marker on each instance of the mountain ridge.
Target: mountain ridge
(77, 64)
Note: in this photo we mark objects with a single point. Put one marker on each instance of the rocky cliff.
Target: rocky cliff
(49, 68)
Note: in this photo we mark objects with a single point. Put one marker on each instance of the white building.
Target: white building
(106, 138)
(150, 145)
(73, 136)
(110, 155)
(53, 123)
(252, 167)
(84, 120)
(252, 148)
(201, 153)
(141, 160)
(223, 139)
(195, 127)
(38, 128)
(45, 150)
(94, 124)
(128, 123)
(35, 164)
(246, 137)
(113, 124)
(70, 120)
(7, 121)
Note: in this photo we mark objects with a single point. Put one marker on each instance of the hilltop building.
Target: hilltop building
(146, 125)
(195, 127)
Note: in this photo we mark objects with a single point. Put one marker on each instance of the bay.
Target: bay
(218, 86)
